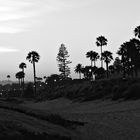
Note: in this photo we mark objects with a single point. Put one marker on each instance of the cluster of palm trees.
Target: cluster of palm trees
(33, 57)
(20, 75)
(105, 56)
(127, 63)
(130, 54)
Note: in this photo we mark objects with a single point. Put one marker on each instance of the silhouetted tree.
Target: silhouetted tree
(130, 56)
(63, 63)
(117, 65)
(20, 75)
(53, 79)
(22, 66)
(87, 71)
(78, 69)
(134, 54)
(111, 69)
(8, 77)
(100, 73)
(123, 52)
(137, 32)
(107, 57)
(101, 41)
(33, 57)
(44, 77)
(93, 57)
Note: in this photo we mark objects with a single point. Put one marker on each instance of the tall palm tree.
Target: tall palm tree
(100, 42)
(33, 57)
(107, 57)
(124, 57)
(93, 57)
(137, 32)
(22, 66)
(78, 69)
(130, 53)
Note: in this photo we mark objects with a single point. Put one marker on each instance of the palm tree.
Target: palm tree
(117, 65)
(33, 57)
(111, 69)
(87, 71)
(134, 54)
(124, 57)
(78, 69)
(44, 77)
(93, 57)
(100, 72)
(20, 75)
(130, 55)
(107, 57)
(22, 66)
(8, 77)
(137, 32)
(101, 41)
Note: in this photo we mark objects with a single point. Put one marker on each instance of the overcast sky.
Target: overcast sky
(42, 25)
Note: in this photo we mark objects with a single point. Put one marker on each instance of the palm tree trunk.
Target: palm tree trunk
(91, 63)
(101, 58)
(34, 78)
(80, 75)
(107, 70)
(19, 83)
(94, 63)
(23, 82)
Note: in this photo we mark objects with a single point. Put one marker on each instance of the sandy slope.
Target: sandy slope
(105, 120)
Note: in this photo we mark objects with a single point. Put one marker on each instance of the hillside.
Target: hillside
(81, 90)
(100, 110)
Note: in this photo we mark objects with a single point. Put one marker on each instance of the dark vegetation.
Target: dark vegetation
(98, 79)
(114, 89)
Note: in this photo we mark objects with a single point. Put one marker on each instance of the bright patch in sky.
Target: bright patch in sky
(5, 50)
(15, 15)
(18, 15)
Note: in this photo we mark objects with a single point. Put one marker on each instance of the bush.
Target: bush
(133, 92)
(118, 91)
(29, 92)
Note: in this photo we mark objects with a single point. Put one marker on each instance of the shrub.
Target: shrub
(118, 91)
(29, 93)
(133, 92)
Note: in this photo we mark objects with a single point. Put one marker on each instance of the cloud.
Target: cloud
(5, 50)
(19, 15)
